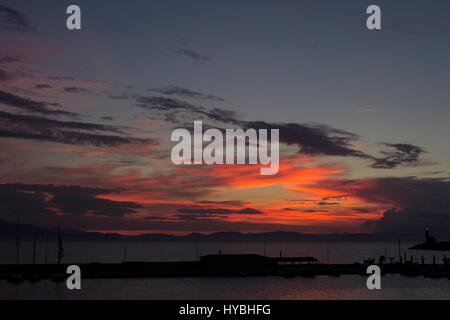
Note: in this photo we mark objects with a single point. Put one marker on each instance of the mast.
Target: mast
(328, 253)
(60, 245)
(18, 239)
(34, 247)
(46, 247)
(125, 252)
(196, 251)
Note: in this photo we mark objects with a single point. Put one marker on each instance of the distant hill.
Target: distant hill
(8, 232)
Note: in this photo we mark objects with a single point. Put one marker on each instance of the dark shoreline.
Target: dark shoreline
(197, 269)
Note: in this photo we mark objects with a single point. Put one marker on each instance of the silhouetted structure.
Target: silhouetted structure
(294, 260)
(232, 263)
(235, 262)
(430, 243)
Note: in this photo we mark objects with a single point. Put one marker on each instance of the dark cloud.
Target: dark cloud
(300, 210)
(361, 210)
(179, 91)
(191, 54)
(326, 203)
(418, 202)
(5, 76)
(164, 104)
(9, 59)
(200, 211)
(227, 202)
(195, 216)
(172, 107)
(402, 153)
(67, 132)
(75, 89)
(78, 80)
(42, 86)
(29, 105)
(11, 20)
(119, 97)
(47, 199)
(312, 139)
(336, 197)
(61, 78)
(215, 211)
(322, 140)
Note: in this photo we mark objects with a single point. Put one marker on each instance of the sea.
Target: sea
(393, 286)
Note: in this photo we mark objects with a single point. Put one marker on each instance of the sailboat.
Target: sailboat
(17, 277)
(34, 277)
(60, 276)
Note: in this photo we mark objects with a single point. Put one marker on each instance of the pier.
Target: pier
(222, 265)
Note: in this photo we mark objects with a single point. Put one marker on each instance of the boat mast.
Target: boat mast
(34, 247)
(328, 253)
(18, 239)
(60, 245)
(46, 249)
(125, 252)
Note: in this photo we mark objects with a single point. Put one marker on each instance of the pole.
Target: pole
(125, 253)
(196, 251)
(18, 239)
(34, 247)
(328, 253)
(46, 249)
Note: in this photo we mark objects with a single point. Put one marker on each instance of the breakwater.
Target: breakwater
(215, 266)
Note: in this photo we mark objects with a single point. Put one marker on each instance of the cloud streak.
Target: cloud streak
(12, 20)
(312, 139)
(74, 200)
(183, 92)
(32, 106)
(191, 54)
(66, 132)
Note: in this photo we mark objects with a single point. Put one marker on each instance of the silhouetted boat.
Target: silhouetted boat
(33, 277)
(288, 273)
(58, 277)
(308, 273)
(410, 271)
(433, 274)
(333, 272)
(16, 278)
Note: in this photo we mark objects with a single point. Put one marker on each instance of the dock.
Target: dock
(240, 265)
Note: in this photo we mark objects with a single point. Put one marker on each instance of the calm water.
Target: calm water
(321, 287)
(109, 251)
(277, 288)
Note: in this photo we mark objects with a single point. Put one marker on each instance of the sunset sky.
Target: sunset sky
(86, 116)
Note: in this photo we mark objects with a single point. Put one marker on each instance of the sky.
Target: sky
(86, 115)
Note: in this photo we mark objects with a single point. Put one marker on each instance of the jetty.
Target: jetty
(225, 265)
